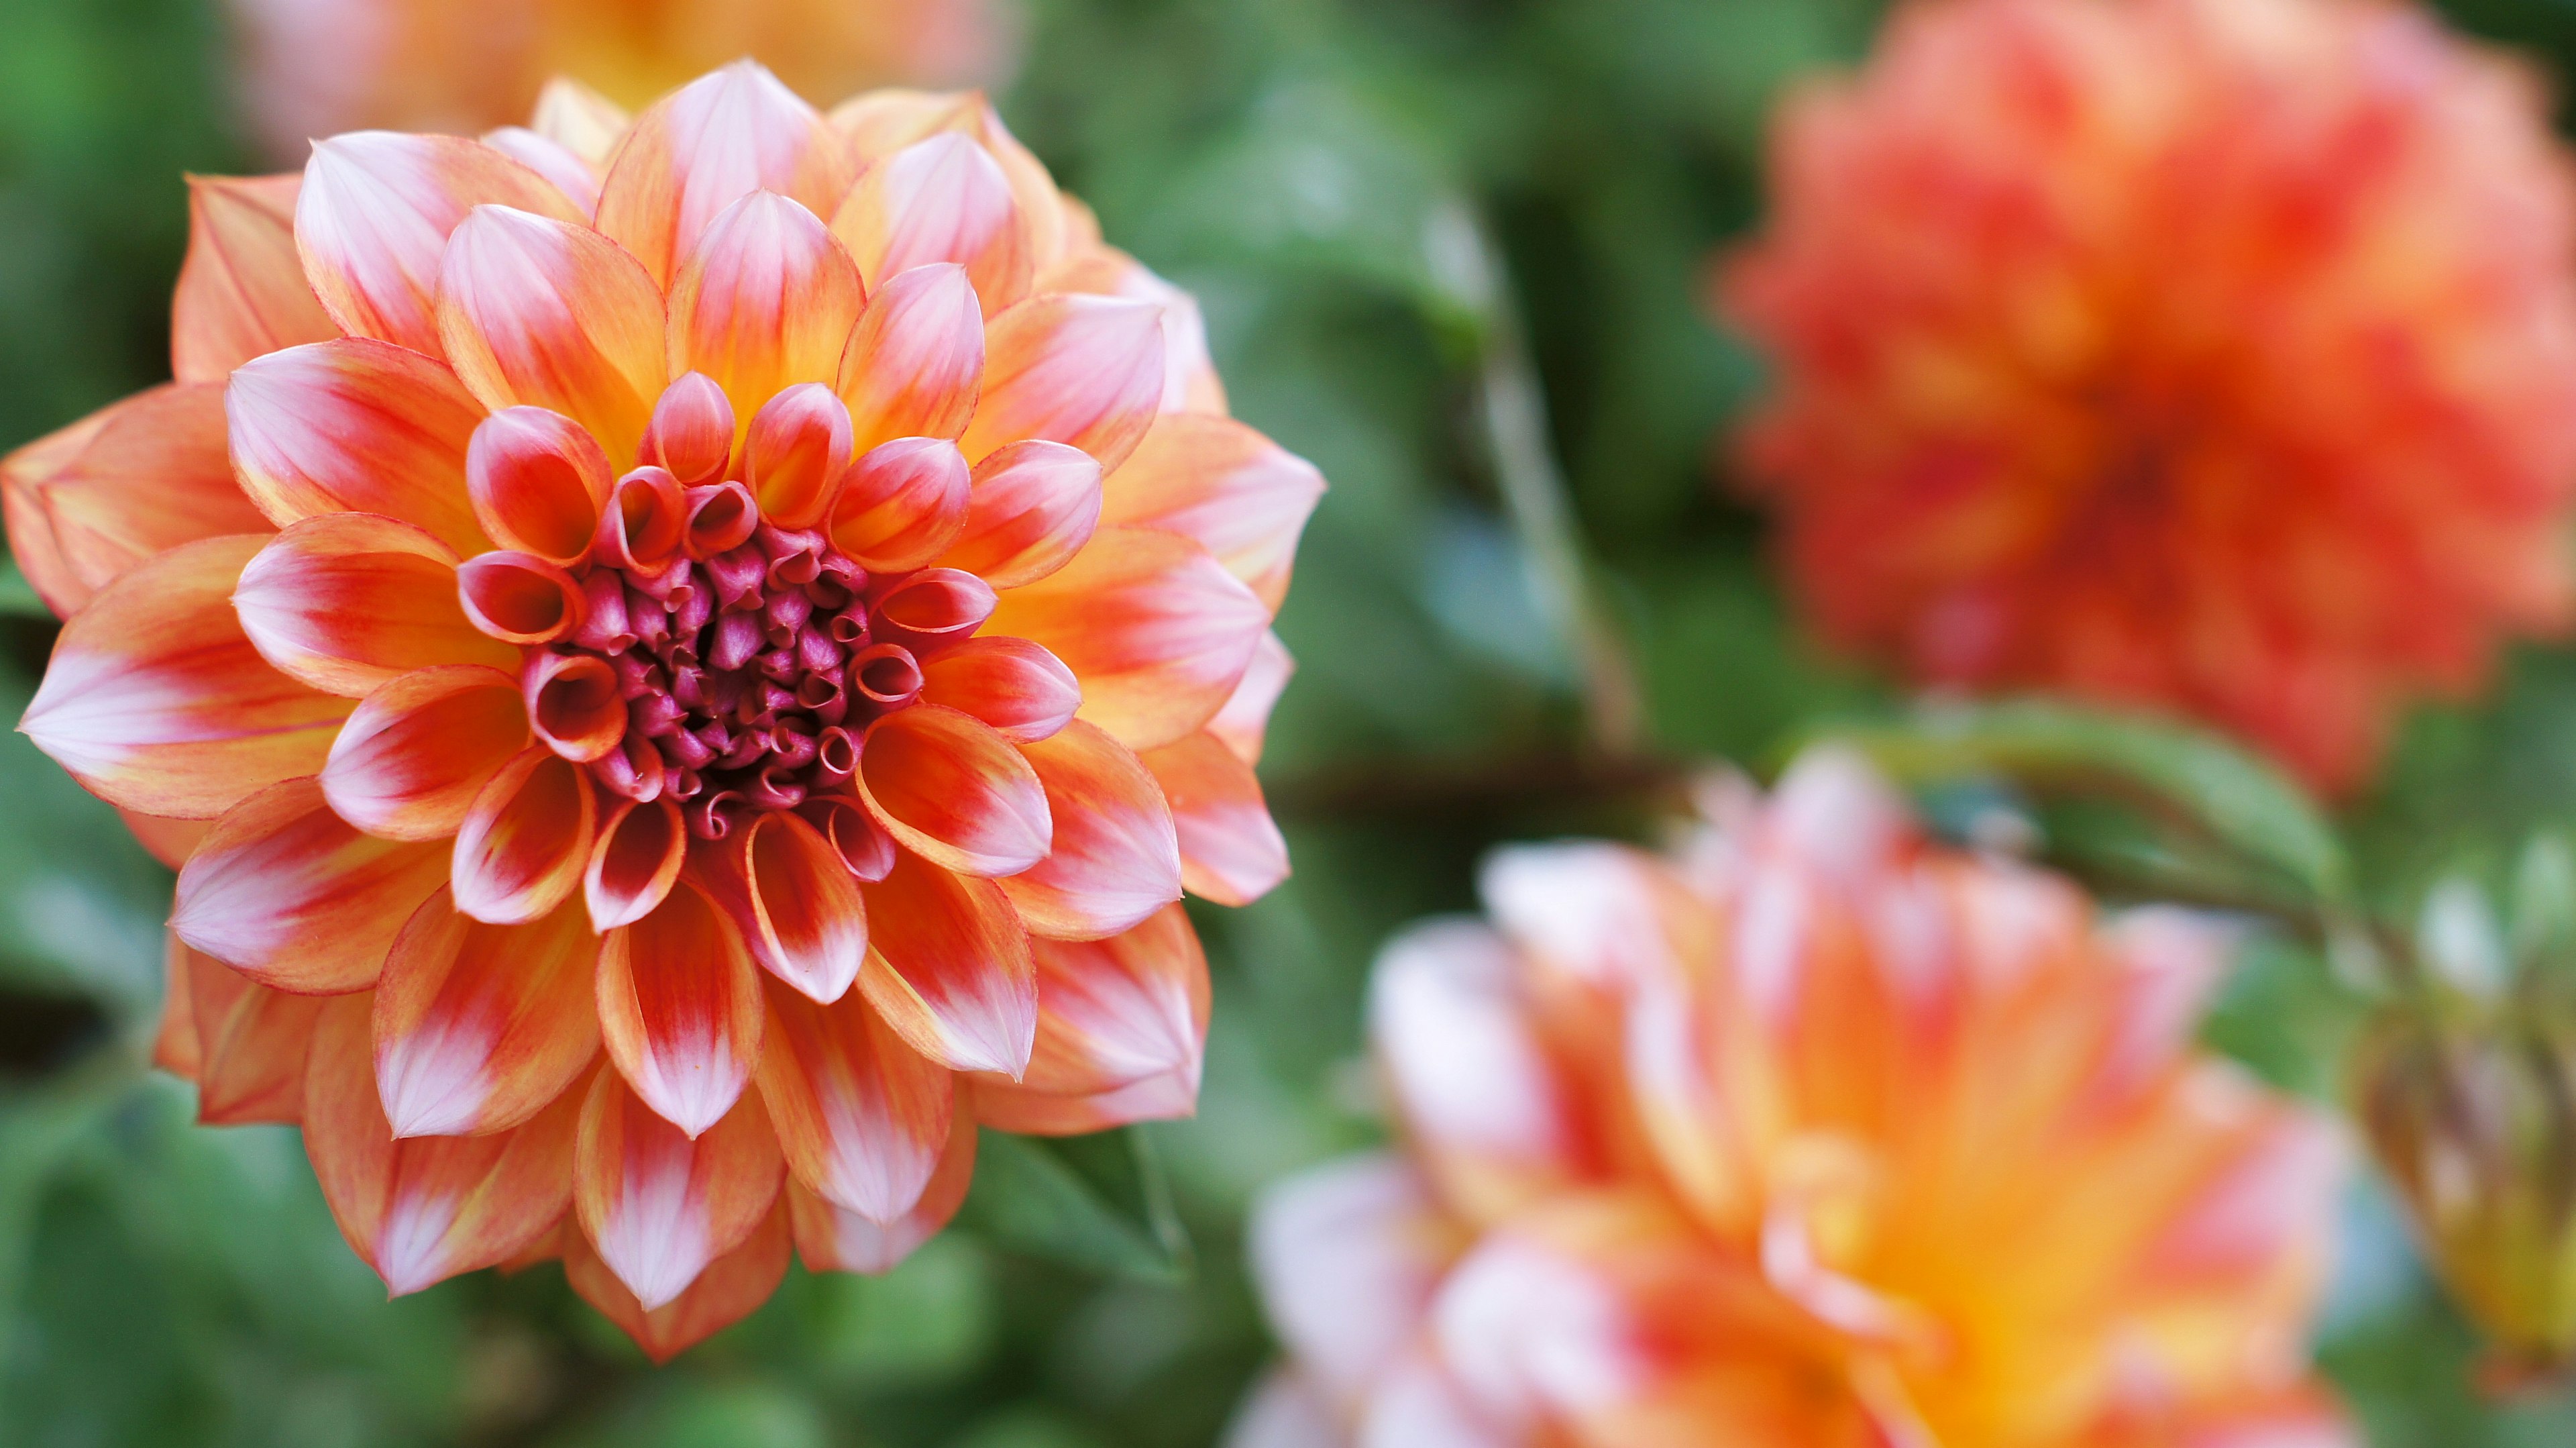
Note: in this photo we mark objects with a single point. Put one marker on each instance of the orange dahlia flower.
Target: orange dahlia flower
(681, 678)
(2217, 355)
(1810, 1137)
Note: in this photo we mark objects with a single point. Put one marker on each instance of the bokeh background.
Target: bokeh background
(1455, 252)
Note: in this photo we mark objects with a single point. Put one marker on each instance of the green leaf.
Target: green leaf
(1099, 1203)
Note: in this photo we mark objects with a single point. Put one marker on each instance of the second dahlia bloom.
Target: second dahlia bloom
(681, 680)
(2217, 355)
(1811, 1136)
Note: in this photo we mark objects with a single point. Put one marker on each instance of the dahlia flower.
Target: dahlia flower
(1811, 1136)
(319, 67)
(681, 678)
(2211, 355)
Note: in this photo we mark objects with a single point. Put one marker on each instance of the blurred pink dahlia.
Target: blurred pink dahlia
(1810, 1136)
(2217, 355)
(685, 665)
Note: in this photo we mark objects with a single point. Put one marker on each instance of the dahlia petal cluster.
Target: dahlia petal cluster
(1810, 1135)
(685, 664)
(2211, 355)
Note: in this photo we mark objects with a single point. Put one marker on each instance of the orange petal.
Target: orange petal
(1190, 383)
(880, 123)
(576, 178)
(707, 145)
(580, 119)
(1170, 1096)
(944, 199)
(519, 598)
(119, 486)
(915, 363)
(729, 1290)
(1243, 497)
(679, 1005)
(658, 1205)
(157, 702)
(1245, 720)
(862, 1116)
(295, 898)
(1115, 859)
(478, 1027)
(950, 788)
(902, 504)
(766, 298)
(347, 602)
(834, 1239)
(544, 313)
(425, 1209)
(171, 841)
(1231, 851)
(864, 847)
(1033, 506)
(1019, 688)
(525, 839)
(175, 1046)
(1070, 368)
(797, 906)
(798, 448)
(639, 853)
(251, 1042)
(949, 967)
(1157, 631)
(410, 761)
(1122, 1010)
(241, 292)
(537, 480)
(355, 426)
(375, 214)
(692, 433)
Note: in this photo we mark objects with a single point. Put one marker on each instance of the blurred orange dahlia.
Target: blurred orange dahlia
(2217, 355)
(684, 670)
(1811, 1136)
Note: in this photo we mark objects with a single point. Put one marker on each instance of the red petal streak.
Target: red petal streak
(1071, 368)
(949, 967)
(535, 311)
(573, 704)
(932, 609)
(862, 1116)
(1016, 686)
(645, 522)
(833, 1239)
(1231, 851)
(679, 1005)
(632, 867)
(692, 433)
(519, 598)
(797, 451)
(707, 145)
(944, 199)
(1115, 858)
(729, 1290)
(526, 839)
(1158, 632)
(478, 1027)
(767, 299)
(916, 360)
(409, 763)
(1241, 725)
(250, 1040)
(355, 426)
(1033, 506)
(537, 480)
(241, 291)
(797, 906)
(659, 1206)
(425, 1209)
(374, 217)
(295, 898)
(349, 601)
(902, 504)
(157, 702)
(947, 786)
(1243, 497)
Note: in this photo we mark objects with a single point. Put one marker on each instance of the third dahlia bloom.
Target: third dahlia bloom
(685, 667)
(1808, 1136)
(2217, 355)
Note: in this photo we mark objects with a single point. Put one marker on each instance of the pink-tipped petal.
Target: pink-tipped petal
(707, 145)
(1231, 851)
(518, 598)
(645, 521)
(949, 967)
(537, 480)
(797, 906)
(902, 504)
(157, 702)
(950, 788)
(410, 761)
(1121, 1010)
(834, 1239)
(348, 602)
(864, 848)
(1243, 497)
(635, 862)
(1115, 859)
(692, 432)
(659, 1205)
(1024, 692)
(915, 362)
(798, 448)
(680, 1008)
(729, 1290)
(250, 1041)
(944, 199)
(766, 299)
(575, 177)
(374, 216)
(537, 312)
(881, 123)
(241, 291)
(1033, 506)
(355, 426)
(863, 1117)
(573, 704)
(1158, 632)
(1245, 720)
(295, 898)
(479, 1027)
(1070, 368)
(525, 840)
(1347, 1257)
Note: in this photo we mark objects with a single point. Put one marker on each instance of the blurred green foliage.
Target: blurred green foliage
(1305, 166)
